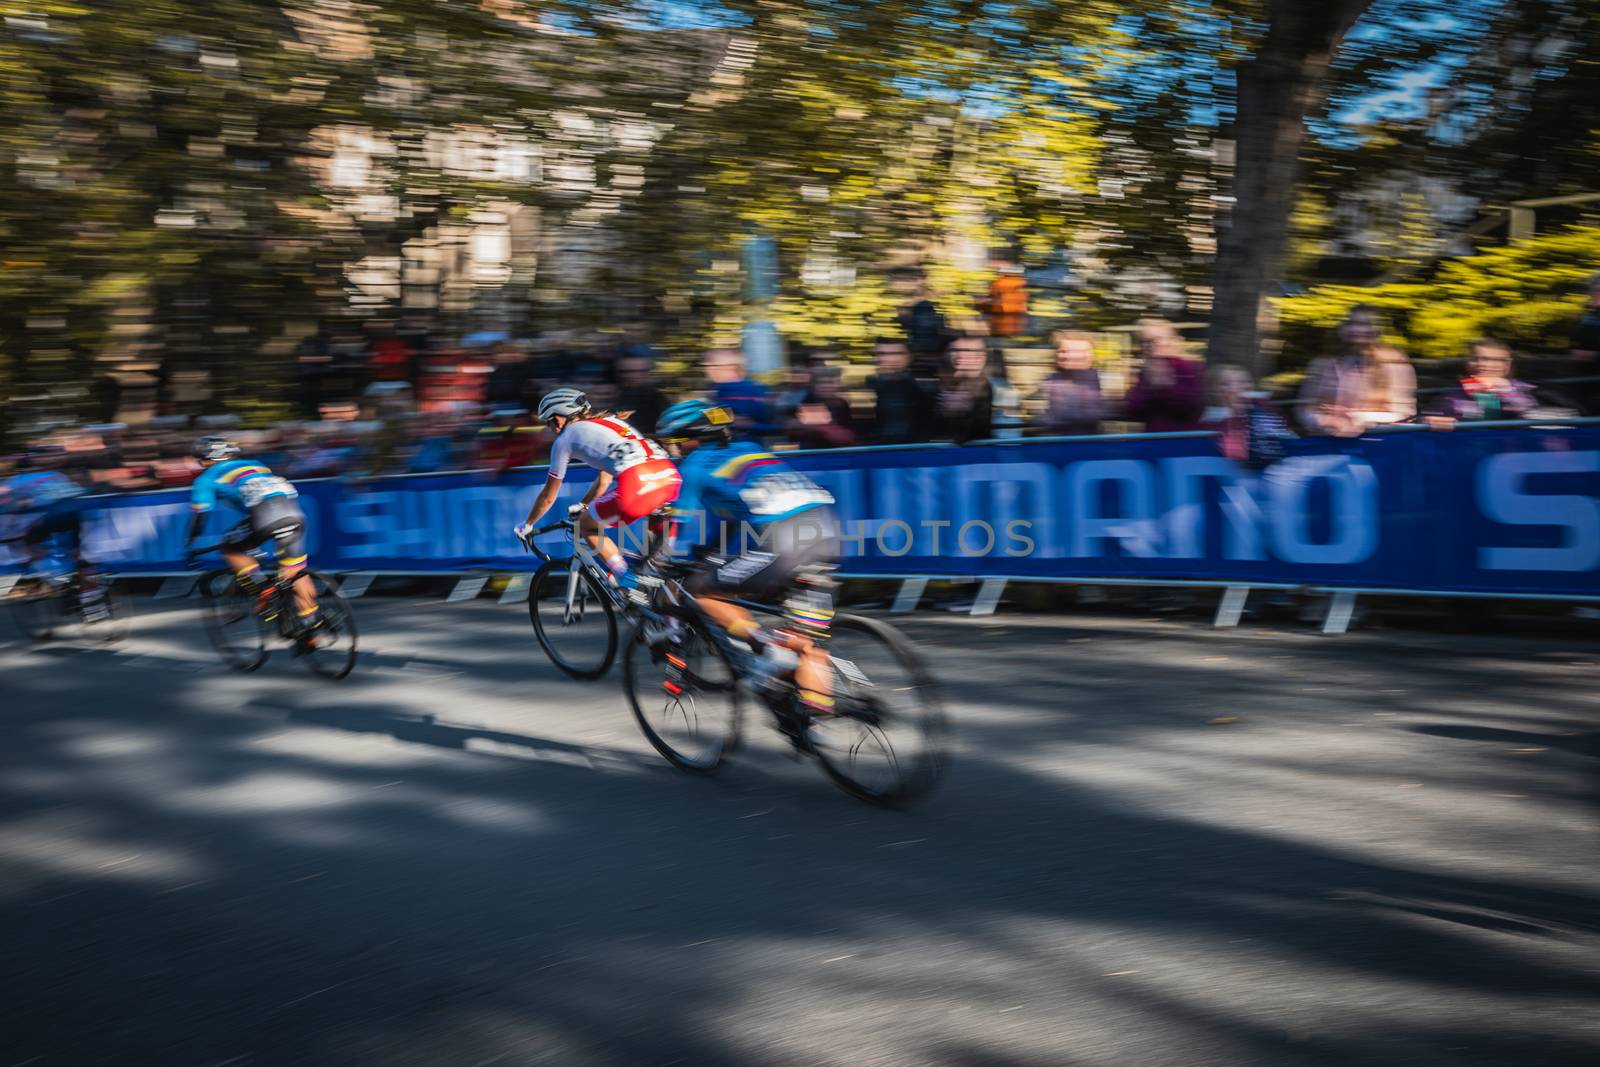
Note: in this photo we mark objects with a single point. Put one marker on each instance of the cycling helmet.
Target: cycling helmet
(215, 447)
(694, 418)
(563, 402)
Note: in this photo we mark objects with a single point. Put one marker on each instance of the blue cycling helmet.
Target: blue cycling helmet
(694, 418)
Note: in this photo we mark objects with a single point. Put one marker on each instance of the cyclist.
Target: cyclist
(272, 513)
(634, 478)
(734, 488)
(51, 506)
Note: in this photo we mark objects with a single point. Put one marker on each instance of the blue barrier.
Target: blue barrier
(1501, 509)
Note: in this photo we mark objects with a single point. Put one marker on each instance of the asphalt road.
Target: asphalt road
(1160, 844)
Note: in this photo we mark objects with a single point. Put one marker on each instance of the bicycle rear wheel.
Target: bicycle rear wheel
(684, 694)
(235, 630)
(39, 613)
(579, 636)
(330, 649)
(886, 740)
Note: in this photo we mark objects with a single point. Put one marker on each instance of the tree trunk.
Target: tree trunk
(1277, 88)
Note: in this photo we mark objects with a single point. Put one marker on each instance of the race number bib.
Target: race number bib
(627, 452)
(256, 490)
(775, 494)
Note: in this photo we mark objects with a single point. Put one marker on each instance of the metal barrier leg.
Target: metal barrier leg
(1341, 606)
(177, 587)
(467, 588)
(354, 585)
(911, 591)
(988, 597)
(516, 590)
(1232, 606)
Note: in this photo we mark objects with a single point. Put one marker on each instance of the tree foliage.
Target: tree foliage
(1527, 294)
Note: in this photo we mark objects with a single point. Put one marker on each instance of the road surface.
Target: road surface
(1159, 844)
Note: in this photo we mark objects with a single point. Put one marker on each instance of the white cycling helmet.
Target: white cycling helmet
(563, 402)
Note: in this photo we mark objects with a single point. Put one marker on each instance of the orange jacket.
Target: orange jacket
(1007, 305)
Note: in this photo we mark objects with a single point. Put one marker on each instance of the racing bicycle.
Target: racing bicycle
(687, 680)
(241, 622)
(45, 604)
(574, 604)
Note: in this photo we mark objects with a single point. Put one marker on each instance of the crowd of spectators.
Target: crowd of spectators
(931, 383)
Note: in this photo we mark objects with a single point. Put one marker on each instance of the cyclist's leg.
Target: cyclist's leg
(737, 622)
(805, 548)
(807, 613)
(593, 532)
(289, 543)
(68, 523)
(235, 551)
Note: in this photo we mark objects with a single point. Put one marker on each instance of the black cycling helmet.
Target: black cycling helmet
(214, 446)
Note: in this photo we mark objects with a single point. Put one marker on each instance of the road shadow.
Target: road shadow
(199, 876)
(1582, 744)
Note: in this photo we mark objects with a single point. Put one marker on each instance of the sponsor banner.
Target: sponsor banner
(1513, 510)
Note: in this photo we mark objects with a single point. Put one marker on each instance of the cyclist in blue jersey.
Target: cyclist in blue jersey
(767, 533)
(51, 506)
(272, 513)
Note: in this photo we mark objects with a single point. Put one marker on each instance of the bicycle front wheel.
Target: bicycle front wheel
(574, 619)
(330, 649)
(886, 740)
(235, 630)
(683, 692)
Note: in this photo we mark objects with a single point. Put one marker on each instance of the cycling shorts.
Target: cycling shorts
(766, 566)
(636, 492)
(277, 519)
(62, 519)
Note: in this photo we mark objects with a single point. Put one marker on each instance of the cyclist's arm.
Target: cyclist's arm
(202, 497)
(688, 511)
(560, 455)
(602, 482)
(546, 497)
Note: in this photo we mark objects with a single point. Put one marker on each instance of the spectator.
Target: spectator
(926, 334)
(1169, 395)
(637, 391)
(1072, 400)
(510, 441)
(748, 400)
(436, 447)
(823, 418)
(510, 380)
(1006, 305)
(903, 408)
(1487, 392)
(1368, 384)
(796, 386)
(1586, 337)
(1250, 431)
(965, 408)
(389, 356)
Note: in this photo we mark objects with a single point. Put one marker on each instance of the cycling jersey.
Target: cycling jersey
(642, 489)
(240, 483)
(606, 444)
(739, 483)
(37, 490)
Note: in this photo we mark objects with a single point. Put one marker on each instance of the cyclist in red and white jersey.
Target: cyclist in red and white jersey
(634, 478)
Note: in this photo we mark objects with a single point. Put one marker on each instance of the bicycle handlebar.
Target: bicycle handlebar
(527, 540)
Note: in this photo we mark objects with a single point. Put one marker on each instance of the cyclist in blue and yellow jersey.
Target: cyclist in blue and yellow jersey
(272, 513)
(51, 506)
(769, 535)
